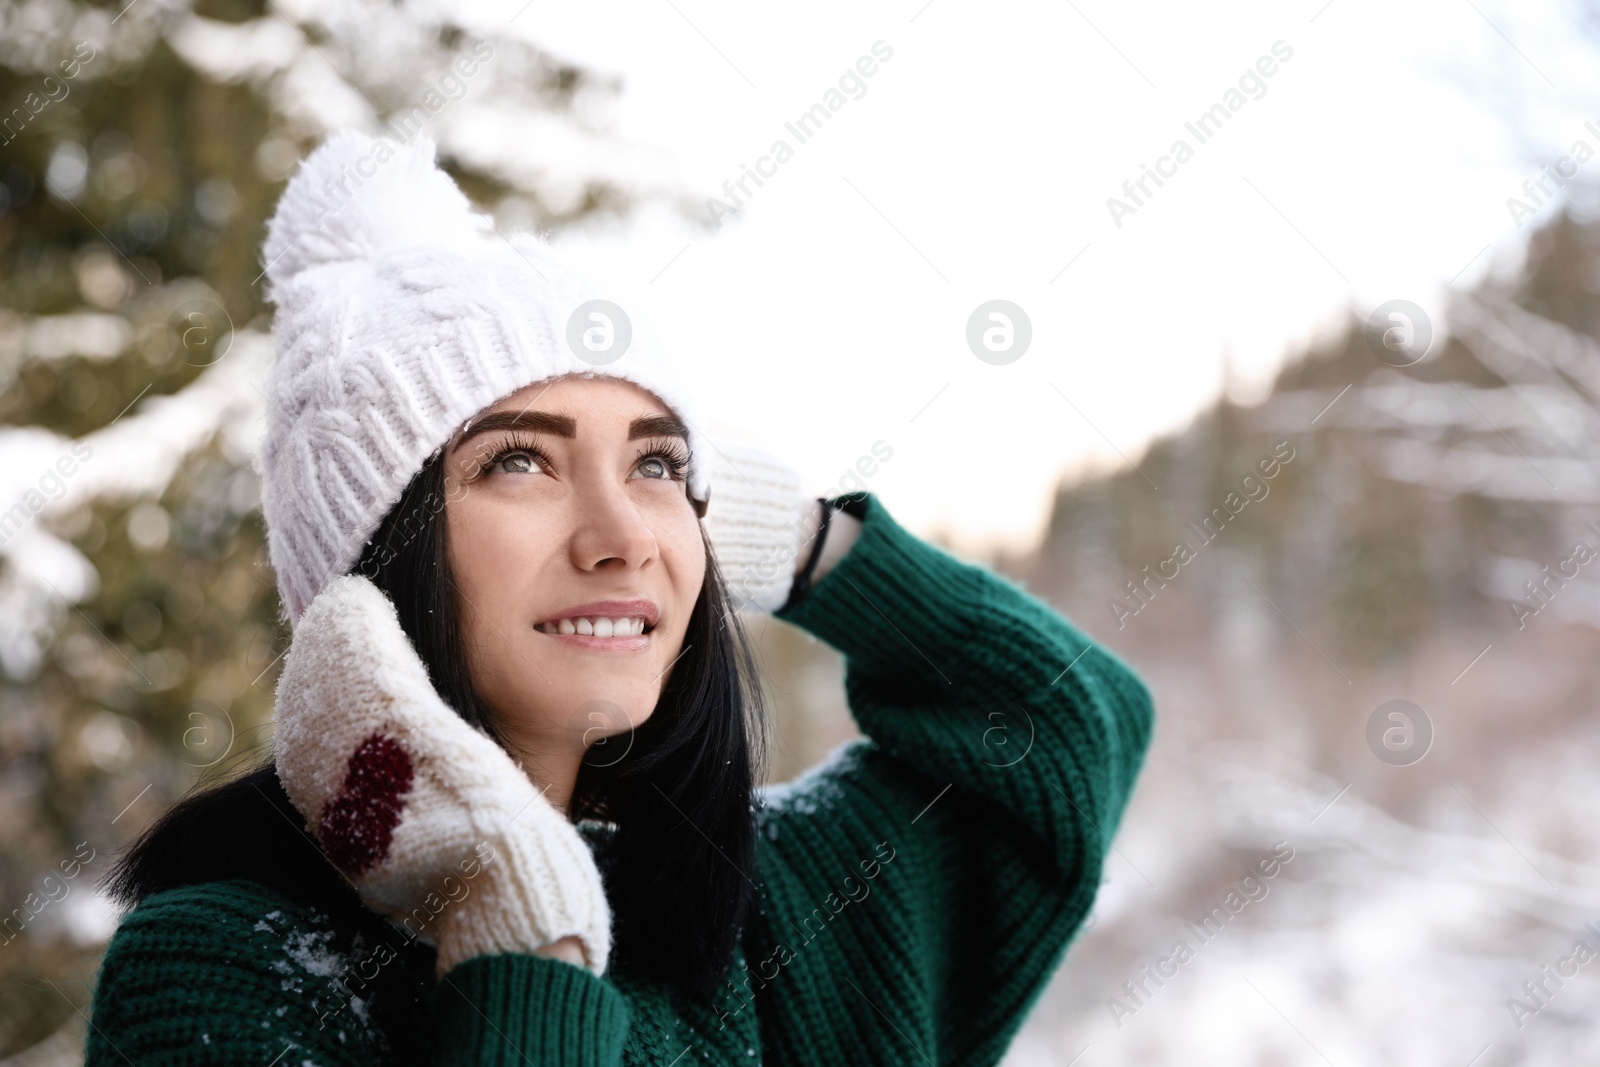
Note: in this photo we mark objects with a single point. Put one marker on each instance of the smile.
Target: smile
(618, 625)
(597, 627)
(600, 633)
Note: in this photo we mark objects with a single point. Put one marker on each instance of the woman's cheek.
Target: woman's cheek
(688, 548)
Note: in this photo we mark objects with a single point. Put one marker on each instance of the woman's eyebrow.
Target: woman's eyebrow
(567, 426)
(657, 426)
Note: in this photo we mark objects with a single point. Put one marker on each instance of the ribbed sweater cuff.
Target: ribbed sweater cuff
(518, 1008)
(881, 603)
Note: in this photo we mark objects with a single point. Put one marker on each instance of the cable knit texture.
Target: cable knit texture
(755, 524)
(918, 887)
(401, 313)
(420, 810)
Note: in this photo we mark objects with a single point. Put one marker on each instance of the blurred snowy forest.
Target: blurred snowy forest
(1425, 535)
(1429, 541)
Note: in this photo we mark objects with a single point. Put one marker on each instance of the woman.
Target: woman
(512, 814)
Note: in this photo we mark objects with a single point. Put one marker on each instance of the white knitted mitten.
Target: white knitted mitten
(430, 819)
(755, 521)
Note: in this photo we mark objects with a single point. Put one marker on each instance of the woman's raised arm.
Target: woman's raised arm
(1001, 748)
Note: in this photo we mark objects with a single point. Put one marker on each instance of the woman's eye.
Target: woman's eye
(656, 466)
(515, 463)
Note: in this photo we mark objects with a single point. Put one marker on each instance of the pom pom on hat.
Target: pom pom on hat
(356, 197)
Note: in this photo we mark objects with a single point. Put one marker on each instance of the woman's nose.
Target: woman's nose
(610, 527)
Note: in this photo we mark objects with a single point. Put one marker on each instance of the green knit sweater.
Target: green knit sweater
(917, 889)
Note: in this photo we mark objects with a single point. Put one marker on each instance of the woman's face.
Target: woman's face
(577, 557)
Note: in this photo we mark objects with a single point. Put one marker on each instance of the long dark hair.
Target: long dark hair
(678, 857)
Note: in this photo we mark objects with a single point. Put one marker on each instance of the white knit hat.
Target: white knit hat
(402, 313)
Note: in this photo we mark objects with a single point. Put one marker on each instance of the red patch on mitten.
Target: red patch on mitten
(359, 822)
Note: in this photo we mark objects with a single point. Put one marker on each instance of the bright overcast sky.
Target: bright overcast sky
(830, 313)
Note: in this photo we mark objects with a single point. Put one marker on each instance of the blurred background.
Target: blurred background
(1300, 418)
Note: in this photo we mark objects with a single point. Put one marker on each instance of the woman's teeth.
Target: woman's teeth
(595, 627)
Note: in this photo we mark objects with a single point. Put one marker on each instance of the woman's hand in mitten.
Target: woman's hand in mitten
(762, 528)
(757, 522)
(407, 798)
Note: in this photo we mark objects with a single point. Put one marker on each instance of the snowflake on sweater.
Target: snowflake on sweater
(311, 963)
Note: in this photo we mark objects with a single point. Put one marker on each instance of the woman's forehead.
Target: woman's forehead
(571, 393)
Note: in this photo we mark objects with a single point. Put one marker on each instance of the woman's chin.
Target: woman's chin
(605, 709)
